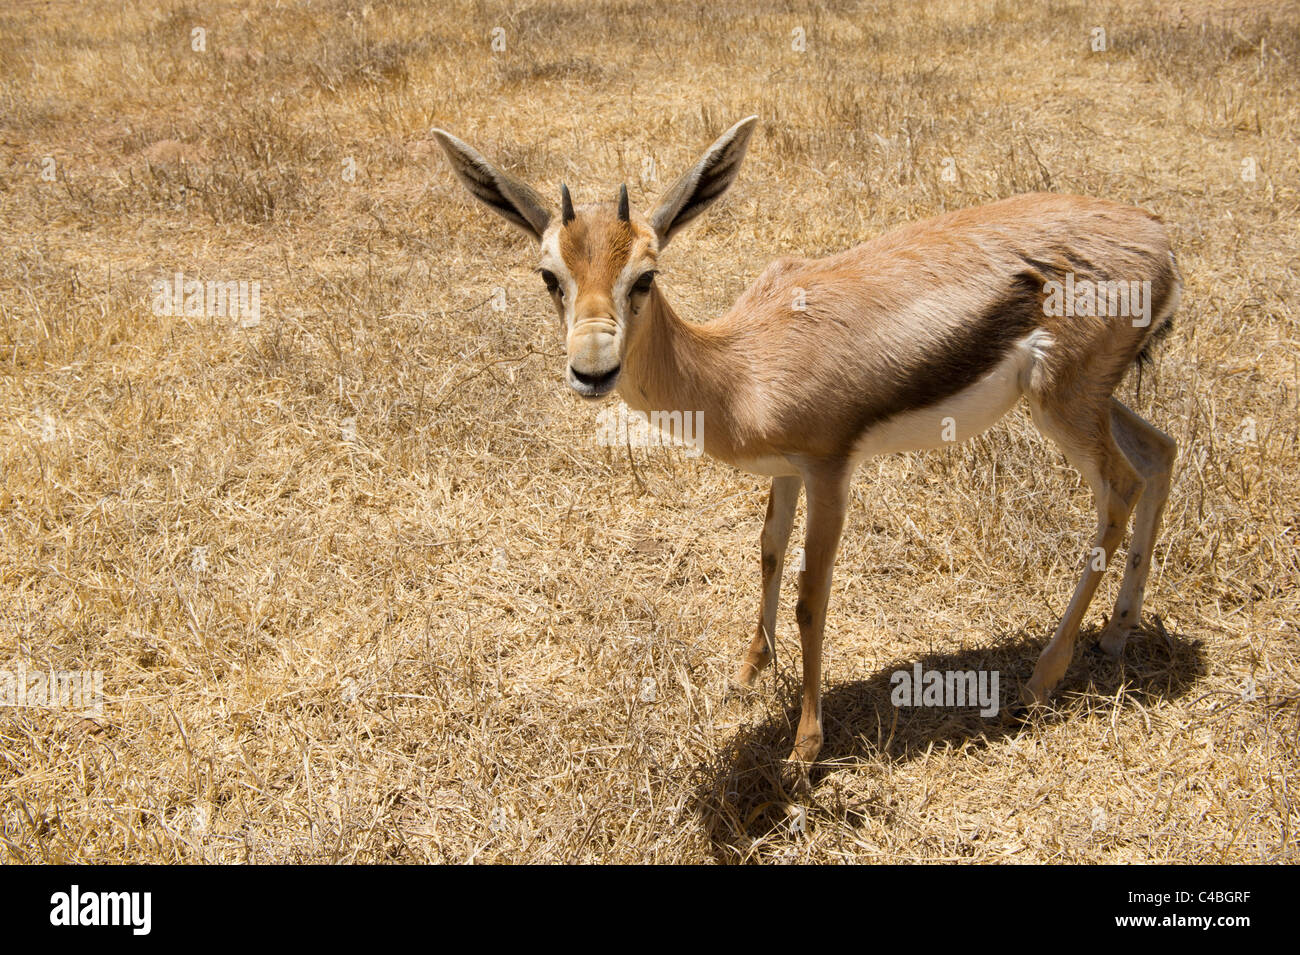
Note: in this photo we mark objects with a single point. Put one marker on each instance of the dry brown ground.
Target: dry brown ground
(430, 642)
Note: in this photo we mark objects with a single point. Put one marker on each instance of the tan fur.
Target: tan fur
(872, 306)
(820, 354)
(596, 247)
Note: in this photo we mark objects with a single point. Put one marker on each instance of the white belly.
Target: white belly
(962, 416)
(775, 465)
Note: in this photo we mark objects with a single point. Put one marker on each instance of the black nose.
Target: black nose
(596, 384)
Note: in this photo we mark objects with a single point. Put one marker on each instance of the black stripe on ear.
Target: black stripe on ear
(704, 182)
(515, 201)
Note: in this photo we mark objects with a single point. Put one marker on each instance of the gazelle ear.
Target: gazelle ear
(704, 182)
(516, 202)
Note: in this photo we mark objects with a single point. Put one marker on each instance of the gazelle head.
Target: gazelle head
(599, 261)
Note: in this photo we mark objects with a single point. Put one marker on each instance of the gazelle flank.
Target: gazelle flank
(927, 334)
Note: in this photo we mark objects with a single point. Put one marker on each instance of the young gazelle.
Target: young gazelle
(930, 333)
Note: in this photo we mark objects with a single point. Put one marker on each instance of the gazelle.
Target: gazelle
(927, 334)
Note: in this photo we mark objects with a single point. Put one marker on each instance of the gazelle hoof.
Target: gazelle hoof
(1113, 639)
(1032, 697)
(741, 685)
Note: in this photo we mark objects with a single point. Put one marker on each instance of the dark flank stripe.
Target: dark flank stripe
(972, 350)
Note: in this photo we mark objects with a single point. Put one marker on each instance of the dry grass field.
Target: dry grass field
(362, 585)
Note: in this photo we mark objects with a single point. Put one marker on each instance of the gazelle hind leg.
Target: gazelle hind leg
(1152, 453)
(781, 503)
(1116, 485)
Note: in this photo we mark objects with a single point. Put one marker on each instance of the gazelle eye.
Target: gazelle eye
(552, 283)
(642, 284)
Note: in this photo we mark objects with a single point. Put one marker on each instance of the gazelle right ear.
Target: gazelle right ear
(516, 202)
(704, 182)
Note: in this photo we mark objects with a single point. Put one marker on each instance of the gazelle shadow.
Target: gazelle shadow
(740, 794)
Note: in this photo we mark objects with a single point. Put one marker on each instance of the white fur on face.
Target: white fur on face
(620, 294)
(554, 263)
(622, 291)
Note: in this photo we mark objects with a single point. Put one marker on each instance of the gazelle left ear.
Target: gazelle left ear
(704, 182)
(516, 202)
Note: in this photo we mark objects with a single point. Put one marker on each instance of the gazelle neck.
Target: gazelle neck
(672, 364)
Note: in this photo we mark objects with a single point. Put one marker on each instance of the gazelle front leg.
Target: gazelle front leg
(827, 500)
(781, 503)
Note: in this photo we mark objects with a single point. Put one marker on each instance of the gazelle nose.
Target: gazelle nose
(591, 385)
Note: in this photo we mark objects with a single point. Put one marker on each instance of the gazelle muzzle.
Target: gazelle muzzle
(594, 356)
